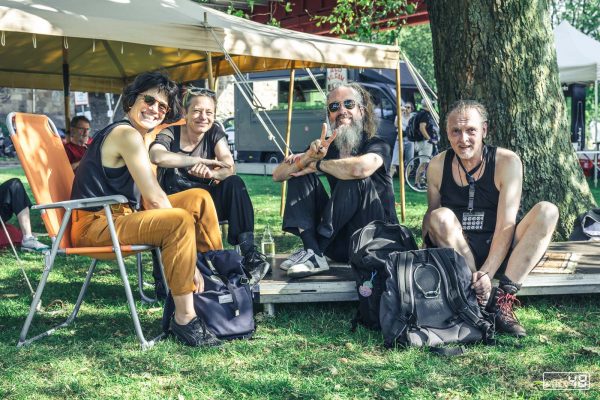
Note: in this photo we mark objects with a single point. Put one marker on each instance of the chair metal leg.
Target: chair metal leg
(132, 308)
(140, 273)
(162, 269)
(49, 262)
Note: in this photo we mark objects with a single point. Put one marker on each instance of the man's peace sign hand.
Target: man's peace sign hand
(318, 148)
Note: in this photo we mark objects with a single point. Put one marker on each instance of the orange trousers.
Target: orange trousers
(180, 232)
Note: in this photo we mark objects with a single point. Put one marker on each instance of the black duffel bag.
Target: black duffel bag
(225, 305)
(428, 301)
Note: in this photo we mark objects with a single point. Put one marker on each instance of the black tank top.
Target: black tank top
(456, 197)
(94, 180)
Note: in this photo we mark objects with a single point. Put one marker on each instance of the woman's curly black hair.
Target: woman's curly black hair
(150, 80)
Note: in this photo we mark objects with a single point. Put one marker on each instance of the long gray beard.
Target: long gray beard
(348, 138)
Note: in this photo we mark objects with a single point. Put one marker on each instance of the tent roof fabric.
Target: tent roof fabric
(109, 42)
(578, 55)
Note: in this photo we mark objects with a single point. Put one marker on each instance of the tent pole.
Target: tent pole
(400, 145)
(66, 85)
(209, 66)
(596, 131)
(288, 131)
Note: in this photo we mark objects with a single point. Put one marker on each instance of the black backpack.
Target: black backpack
(428, 301)
(412, 130)
(585, 226)
(370, 248)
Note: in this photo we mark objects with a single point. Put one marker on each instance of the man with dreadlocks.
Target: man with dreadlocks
(356, 164)
(474, 195)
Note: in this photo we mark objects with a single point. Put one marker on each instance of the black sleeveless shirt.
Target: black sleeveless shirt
(456, 197)
(94, 180)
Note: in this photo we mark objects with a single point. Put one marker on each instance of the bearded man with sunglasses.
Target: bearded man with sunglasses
(474, 194)
(356, 163)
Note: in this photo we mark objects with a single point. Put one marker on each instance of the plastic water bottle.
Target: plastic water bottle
(267, 244)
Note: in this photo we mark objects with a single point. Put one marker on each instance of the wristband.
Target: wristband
(318, 166)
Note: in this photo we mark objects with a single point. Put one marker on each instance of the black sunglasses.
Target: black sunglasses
(151, 100)
(335, 105)
(194, 91)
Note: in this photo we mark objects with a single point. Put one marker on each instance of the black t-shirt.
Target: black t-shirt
(424, 116)
(170, 138)
(381, 177)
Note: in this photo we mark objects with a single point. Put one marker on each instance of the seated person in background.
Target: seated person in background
(197, 155)
(474, 194)
(182, 224)
(14, 200)
(76, 145)
(357, 167)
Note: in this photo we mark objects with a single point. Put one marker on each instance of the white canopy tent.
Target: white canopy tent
(578, 57)
(101, 45)
(108, 42)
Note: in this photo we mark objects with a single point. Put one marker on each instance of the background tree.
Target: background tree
(502, 54)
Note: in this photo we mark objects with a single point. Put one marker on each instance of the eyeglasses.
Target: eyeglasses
(334, 106)
(151, 100)
(192, 91)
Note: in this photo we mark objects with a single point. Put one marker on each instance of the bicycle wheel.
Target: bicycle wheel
(415, 173)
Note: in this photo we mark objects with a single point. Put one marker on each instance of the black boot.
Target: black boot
(254, 261)
(500, 304)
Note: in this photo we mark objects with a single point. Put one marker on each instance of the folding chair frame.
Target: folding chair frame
(70, 205)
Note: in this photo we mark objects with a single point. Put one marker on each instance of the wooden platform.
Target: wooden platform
(583, 259)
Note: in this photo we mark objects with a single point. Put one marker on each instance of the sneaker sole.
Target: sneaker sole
(302, 274)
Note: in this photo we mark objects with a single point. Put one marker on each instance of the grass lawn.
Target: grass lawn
(305, 352)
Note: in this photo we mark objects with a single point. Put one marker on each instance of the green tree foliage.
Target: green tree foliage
(582, 14)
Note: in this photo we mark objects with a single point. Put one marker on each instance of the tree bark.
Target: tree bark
(501, 53)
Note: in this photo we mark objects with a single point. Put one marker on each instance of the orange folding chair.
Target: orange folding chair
(50, 176)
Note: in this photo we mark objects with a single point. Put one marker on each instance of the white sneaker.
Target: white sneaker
(310, 264)
(30, 243)
(293, 259)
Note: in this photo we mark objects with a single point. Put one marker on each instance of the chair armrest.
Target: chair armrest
(83, 203)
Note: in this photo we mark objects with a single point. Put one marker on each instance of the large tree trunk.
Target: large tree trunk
(501, 53)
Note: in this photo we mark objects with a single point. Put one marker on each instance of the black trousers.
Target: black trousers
(353, 204)
(233, 204)
(13, 198)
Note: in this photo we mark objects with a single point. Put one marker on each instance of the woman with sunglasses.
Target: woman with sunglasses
(117, 163)
(197, 155)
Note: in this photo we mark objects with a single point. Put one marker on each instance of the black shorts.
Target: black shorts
(480, 244)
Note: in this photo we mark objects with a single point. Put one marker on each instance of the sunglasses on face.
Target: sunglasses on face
(336, 105)
(151, 100)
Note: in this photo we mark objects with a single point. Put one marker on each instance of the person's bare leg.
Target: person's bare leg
(184, 309)
(532, 237)
(445, 231)
(24, 222)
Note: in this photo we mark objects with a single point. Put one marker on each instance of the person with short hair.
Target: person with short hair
(197, 155)
(14, 200)
(356, 163)
(182, 224)
(77, 140)
(474, 195)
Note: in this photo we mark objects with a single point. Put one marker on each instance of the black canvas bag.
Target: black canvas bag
(586, 226)
(370, 248)
(428, 301)
(225, 305)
